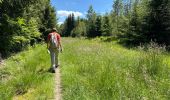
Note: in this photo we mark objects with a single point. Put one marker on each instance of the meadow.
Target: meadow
(97, 70)
(90, 70)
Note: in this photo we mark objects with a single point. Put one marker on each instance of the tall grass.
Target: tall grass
(25, 76)
(93, 70)
(90, 70)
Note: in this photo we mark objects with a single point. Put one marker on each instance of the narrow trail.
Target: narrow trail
(58, 95)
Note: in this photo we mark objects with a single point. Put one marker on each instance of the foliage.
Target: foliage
(158, 21)
(19, 25)
(79, 30)
(132, 21)
(98, 26)
(17, 34)
(91, 22)
(69, 25)
(149, 21)
(106, 29)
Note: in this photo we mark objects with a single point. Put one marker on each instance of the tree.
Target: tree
(159, 21)
(69, 25)
(80, 29)
(98, 25)
(106, 29)
(118, 7)
(117, 12)
(48, 20)
(91, 20)
(15, 8)
(134, 33)
(21, 21)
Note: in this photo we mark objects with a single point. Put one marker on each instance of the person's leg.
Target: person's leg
(52, 55)
(56, 58)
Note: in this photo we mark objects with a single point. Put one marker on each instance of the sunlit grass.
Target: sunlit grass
(90, 70)
(93, 70)
(25, 76)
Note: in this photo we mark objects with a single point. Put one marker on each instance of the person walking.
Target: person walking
(54, 46)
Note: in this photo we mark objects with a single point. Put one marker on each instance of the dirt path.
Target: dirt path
(58, 95)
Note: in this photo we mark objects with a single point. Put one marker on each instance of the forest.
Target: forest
(23, 23)
(131, 22)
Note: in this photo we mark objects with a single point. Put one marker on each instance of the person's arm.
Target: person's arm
(59, 42)
(60, 46)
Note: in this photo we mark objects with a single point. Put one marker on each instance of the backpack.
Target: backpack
(53, 41)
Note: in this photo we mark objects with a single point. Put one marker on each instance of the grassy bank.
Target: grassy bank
(25, 76)
(93, 70)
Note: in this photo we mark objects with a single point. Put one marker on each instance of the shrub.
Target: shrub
(150, 62)
(79, 30)
(17, 34)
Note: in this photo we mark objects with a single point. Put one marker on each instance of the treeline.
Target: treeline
(130, 21)
(24, 22)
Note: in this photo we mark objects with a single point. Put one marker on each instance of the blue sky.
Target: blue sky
(80, 7)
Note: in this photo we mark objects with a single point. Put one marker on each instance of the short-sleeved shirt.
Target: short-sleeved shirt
(58, 37)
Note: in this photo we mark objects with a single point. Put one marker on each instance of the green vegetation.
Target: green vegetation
(90, 70)
(80, 29)
(25, 76)
(94, 70)
(24, 23)
(131, 21)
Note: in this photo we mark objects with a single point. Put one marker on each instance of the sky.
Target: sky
(79, 7)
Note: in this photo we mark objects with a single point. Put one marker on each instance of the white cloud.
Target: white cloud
(66, 13)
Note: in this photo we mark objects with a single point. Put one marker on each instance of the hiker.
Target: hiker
(54, 46)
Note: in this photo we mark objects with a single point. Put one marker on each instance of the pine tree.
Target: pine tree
(133, 33)
(98, 26)
(159, 21)
(69, 25)
(91, 20)
(106, 29)
(117, 12)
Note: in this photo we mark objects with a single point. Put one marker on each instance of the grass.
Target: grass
(25, 76)
(90, 70)
(94, 70)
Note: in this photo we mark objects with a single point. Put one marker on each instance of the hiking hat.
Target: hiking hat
(54, 29)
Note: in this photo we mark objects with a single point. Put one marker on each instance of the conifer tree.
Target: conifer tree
(91, 20)
(159, 21)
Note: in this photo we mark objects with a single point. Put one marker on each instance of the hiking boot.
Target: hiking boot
(53, 71)
(56, 66)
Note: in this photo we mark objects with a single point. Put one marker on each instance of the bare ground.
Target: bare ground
(58, 95)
